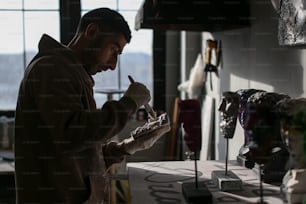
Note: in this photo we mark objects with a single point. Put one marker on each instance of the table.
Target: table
(160, 182)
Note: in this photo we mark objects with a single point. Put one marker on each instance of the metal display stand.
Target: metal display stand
(226, 180)
(196, 192)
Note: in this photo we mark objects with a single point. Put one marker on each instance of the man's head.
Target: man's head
(108, 20)
(101, 36)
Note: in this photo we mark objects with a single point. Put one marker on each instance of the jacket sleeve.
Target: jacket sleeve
(113, 152)
(58, 93)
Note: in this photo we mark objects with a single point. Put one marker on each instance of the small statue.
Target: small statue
(193, 86)
(229, 105)
(293, 132)
(190, 117)
(263, 125)
(229, 110)
(263, 145)
(244, 157)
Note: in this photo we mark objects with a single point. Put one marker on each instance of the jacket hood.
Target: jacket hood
(47, 45)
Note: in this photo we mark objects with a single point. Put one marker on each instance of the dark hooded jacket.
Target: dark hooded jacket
(61, 138)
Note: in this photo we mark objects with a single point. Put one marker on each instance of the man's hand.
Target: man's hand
(139, 93)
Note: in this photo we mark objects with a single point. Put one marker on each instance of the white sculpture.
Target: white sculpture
(193, 86)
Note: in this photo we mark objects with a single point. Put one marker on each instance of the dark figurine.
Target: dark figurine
(244, 152)
(263, 146)
(190, 117)
(229, 110)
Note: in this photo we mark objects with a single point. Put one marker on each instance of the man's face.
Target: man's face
(102, 53)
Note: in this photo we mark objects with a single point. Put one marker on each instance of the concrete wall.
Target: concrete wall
(252, 58)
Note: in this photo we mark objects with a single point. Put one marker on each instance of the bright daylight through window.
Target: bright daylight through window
(25, 21)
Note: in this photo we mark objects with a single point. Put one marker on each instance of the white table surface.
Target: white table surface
(160, 182)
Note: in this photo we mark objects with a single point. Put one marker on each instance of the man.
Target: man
(62, 146)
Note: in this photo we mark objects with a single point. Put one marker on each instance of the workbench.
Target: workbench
(160, 182)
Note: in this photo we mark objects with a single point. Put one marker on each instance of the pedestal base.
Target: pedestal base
(243, 161)
(274, 168)
(196, 195)
(293, 187)
(226, 182)
(269, 175)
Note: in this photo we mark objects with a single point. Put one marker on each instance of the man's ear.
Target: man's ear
(92, 31)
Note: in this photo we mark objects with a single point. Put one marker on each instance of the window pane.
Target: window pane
(141, 39)
(105, 80)
(12, 65)
(11, 36)
(10, 4)
(141, 42)
(41, 4)
(130, 4)
(11, 58)
(35, 26)
(92, 4)
(136, 59)
(139, 66)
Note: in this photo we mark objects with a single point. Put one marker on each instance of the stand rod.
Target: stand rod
(226, 156)
(260, 184)
(196, 169)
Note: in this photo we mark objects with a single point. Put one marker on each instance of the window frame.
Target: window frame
(69, 15)
(23, 10)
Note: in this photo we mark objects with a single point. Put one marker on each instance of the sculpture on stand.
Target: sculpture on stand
(243, 157)
(190, 117)
(293, 132)
(263, 125)
(265, 143)
(226, 180)
(263, 140)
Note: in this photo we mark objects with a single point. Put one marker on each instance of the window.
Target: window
(22, 22)
(136, 59)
